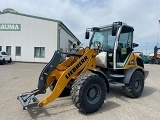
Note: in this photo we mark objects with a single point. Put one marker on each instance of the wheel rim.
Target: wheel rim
(138, 85)
(93, 94)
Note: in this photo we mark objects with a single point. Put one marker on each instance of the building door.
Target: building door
(8, 49)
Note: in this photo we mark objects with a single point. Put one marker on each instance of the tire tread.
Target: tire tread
(76, 92)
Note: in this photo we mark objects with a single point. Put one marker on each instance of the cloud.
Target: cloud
(78, 15)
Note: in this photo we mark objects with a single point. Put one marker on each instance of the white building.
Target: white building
(32, 39)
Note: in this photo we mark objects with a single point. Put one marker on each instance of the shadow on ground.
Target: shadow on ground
(38, 112)
(6, 63)
(115, 91)
(148, 91)
(43, 112)
(107, 106)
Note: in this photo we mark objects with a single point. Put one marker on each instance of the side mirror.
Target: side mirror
(135, 45)
(87, 35)
(114, 30)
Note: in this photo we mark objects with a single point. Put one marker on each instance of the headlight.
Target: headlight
(131, 62)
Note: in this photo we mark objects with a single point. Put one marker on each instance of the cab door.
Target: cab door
(124, 46)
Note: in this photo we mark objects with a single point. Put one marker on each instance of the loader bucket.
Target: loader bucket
(28, 100)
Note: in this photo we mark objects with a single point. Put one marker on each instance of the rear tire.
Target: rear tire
(88, 92)
(136, 85)
(10, 60)
(65, 92)
(158, 61)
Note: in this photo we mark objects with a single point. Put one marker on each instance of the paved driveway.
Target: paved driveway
(17, 78)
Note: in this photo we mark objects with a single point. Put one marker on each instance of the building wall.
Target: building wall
(64, 40)
(34, 33)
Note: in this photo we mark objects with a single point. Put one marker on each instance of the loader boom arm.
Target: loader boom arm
(67, 75)
(61, 71)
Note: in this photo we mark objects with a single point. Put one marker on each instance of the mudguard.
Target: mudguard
(129, 73)
(96, 71)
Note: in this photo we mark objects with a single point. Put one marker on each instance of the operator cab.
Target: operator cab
(114, 43)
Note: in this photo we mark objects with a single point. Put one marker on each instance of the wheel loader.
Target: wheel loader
(156, 58)
(89, 71)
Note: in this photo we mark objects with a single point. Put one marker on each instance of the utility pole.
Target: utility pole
(158, 32)
(146, 47)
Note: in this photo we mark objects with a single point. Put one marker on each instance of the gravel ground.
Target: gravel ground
(17, 78)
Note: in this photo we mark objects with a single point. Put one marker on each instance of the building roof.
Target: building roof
(12, 11)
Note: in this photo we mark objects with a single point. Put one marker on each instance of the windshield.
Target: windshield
(105, 38)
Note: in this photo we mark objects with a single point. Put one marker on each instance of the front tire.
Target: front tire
(88, 92)
(3, 61)
(136, 85)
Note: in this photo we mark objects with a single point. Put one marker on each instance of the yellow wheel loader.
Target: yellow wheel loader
(89, 71)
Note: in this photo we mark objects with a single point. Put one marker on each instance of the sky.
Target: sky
(78, 15)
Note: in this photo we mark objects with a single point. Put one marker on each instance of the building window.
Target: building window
(18, 51)
(8, 49)
(0, 48)
(39, 52)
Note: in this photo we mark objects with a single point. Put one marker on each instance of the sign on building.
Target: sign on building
(10, 27)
